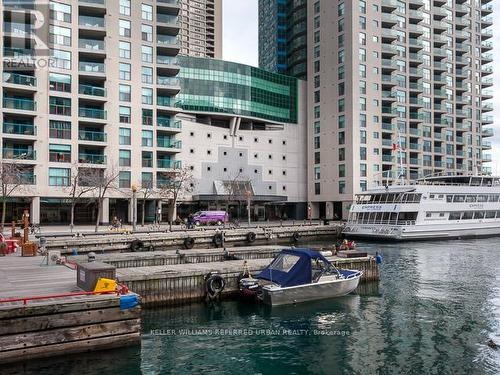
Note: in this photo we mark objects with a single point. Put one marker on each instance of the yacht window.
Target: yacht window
(449, 198)
(482, 198)
(431, 196)
(428, 214)
(498, 214)
(394, 217)
(441, 214)
(479, 215)
(386, 216)
(441, 196)
(471, 198)
(467, 215)
(459, 198)
(284, 262)
(490, 214)
(493, 198)
(454, 216)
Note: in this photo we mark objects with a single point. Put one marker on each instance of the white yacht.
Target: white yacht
(434, 207)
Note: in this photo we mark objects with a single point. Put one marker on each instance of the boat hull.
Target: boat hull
(422, 232)
(276, 296)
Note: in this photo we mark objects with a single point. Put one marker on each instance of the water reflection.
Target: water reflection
(433, 311)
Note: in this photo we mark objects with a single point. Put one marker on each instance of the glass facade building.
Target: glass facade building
(218, 86)
(283, 36)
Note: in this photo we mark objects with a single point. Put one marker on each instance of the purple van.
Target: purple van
(210, 217)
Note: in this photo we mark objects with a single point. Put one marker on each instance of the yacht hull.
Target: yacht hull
(422, 232)
(276, 296)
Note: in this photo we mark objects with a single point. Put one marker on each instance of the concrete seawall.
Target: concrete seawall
(202, 237)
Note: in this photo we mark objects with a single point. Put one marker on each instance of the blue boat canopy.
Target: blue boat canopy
(292, 267)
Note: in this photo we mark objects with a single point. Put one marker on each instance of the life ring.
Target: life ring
(251, 236)
(188, 242)
(295, 236)
(217, 239)
(214, 285)
(136, 245)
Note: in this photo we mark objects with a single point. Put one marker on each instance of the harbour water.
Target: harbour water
(436, 306)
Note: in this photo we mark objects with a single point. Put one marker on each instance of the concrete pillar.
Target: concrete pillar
(105, 212)
(35, 210)
(130, 210)
(329, 211)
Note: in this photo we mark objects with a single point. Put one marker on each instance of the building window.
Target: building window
(147, 33)
(60, 129)
(59, 176)
(147, 75)
(342, 170)
(147, 117)
(147, 54)
(60, 82)
(59, 153)
(60, 35)
(124, 50)
(124, 28)
(124, 71)
(341, 187)
(60, 106)
(124, 138)
(125, 115)
(147, 12)
(317, 188)
(124, 93)
(124, 159)
(125, 7)
(60, 12)
(124, 180)
(147, 138)
(147, 96)
(61, 59)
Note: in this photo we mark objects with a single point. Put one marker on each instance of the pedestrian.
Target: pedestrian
(378, 258)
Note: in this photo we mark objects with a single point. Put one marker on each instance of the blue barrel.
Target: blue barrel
(128, 301)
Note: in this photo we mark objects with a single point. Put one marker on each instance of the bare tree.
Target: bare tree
(102, 180)
(80, 185)
(177, 184)
(147, 190)
(236, 189)
(12, 179)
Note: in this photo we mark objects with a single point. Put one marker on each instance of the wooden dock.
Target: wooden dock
(52, 326)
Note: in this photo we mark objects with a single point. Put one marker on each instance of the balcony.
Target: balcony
(165, 101)
(94, 113)
(92, 136)
(28, 178)
(168, 143)
(19, 53)
(168, 41)
(389, 111)
(19, 103)
(90, 22)
(487, 158)
(167, 60)
(168, 164)
(388, 158)
(168, 124)
(486, 145)
(93, 3)
(171, 82)
(19, 128)
(91, 90)
(168, 19)
(91, 159)
(487, 132)
(18, 153)
(91, 45)
(147, 162)
(487, 119)
(91, 67)
(19, 79)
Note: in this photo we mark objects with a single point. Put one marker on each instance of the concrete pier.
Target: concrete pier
(203, 238)
(178, 276)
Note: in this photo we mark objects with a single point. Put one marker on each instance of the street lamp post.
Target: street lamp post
(248, 195)
(134, 208)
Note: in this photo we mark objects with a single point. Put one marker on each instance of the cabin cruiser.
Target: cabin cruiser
(435, 207)
(299, 275)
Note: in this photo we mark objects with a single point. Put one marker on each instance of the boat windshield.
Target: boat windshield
(284, 262)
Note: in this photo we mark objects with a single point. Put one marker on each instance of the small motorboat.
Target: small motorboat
(299, 275)
(345, 245)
